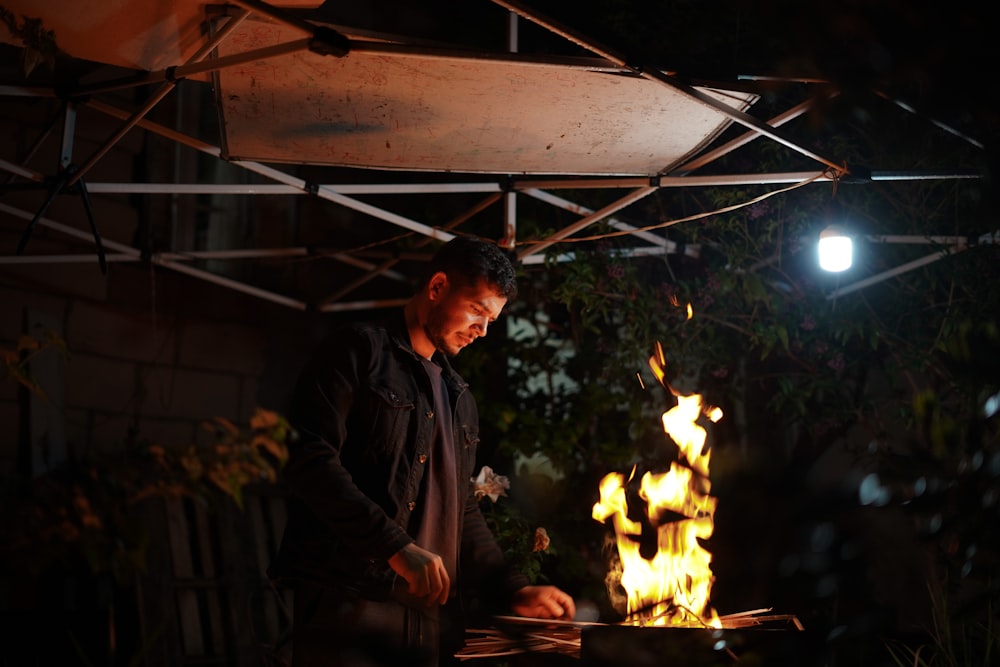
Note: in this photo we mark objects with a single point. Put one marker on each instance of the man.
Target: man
(383, 525)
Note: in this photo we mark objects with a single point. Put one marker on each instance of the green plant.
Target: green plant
(232, 459)
(525, 545)
(82, 511)
(39, 43)
(949, 482)
(17, 360)
(951, 642)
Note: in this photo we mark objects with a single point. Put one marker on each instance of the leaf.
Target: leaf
(227, 425)
(27, 343)
(782, 334)
(268, 444)
(192, 465)
(263, 419)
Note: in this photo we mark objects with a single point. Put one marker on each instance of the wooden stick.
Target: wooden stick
(564, 636)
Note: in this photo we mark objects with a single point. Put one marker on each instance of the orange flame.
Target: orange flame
(672, 587)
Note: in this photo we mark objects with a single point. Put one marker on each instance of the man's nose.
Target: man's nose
(480, 326)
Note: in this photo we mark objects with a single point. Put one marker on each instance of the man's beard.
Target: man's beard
(435, 334)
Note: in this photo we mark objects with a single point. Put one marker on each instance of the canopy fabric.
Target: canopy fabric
(147, 35)
(456, 113)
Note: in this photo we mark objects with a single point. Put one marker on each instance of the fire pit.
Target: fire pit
(664, 571)
(615, 645)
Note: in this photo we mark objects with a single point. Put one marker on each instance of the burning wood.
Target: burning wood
(515, 634)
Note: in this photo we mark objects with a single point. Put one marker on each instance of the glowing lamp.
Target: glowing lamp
(835, 249)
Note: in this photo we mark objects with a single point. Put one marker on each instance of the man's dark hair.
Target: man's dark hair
(469, 259)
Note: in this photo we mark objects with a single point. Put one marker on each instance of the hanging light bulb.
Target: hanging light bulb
(835, 249)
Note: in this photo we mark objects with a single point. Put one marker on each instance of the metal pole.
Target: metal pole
(65, 229)
(879, 277)
(233, 284)
(239, 58)
(674, 181)
(739, 142)
(361, 305)
(664, 245)
(38, 144)
(279, 189)
(172, 74)
(915, 239)
(280, 15)
(322, 191)
(156, 128)
(64, 259)
(620, 252)
(933, 121)
(154, 100)
(509, 239)
(512, 36)
(66, 143)
(627, 200)
(18, 170)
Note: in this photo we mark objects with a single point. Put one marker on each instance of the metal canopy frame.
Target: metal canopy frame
(505, 191)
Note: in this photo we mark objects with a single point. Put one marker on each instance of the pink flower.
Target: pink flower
(541, 539)
(758, 209)
(488, 483)
(837, 363)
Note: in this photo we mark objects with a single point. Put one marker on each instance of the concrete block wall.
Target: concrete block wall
(135, 372)
(151, 355)
(154, 364)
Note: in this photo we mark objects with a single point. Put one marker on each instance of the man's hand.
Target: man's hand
(424, 572)
(543, 602)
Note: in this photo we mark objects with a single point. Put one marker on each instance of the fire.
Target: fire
(671, 586)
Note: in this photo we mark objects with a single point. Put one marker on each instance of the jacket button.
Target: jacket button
(422, 458)
(410, 505)
(429, 414)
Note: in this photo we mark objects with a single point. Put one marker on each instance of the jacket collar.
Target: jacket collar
(396, 326)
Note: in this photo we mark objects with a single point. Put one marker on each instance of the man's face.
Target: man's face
(459, 314)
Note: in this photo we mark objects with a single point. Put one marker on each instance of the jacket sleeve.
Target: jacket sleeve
(315, 474)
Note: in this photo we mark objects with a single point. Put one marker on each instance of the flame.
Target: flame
(673, 585)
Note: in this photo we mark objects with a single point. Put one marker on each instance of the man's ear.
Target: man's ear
(437, 286)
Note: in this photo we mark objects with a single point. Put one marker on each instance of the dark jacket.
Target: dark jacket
(363, 410)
